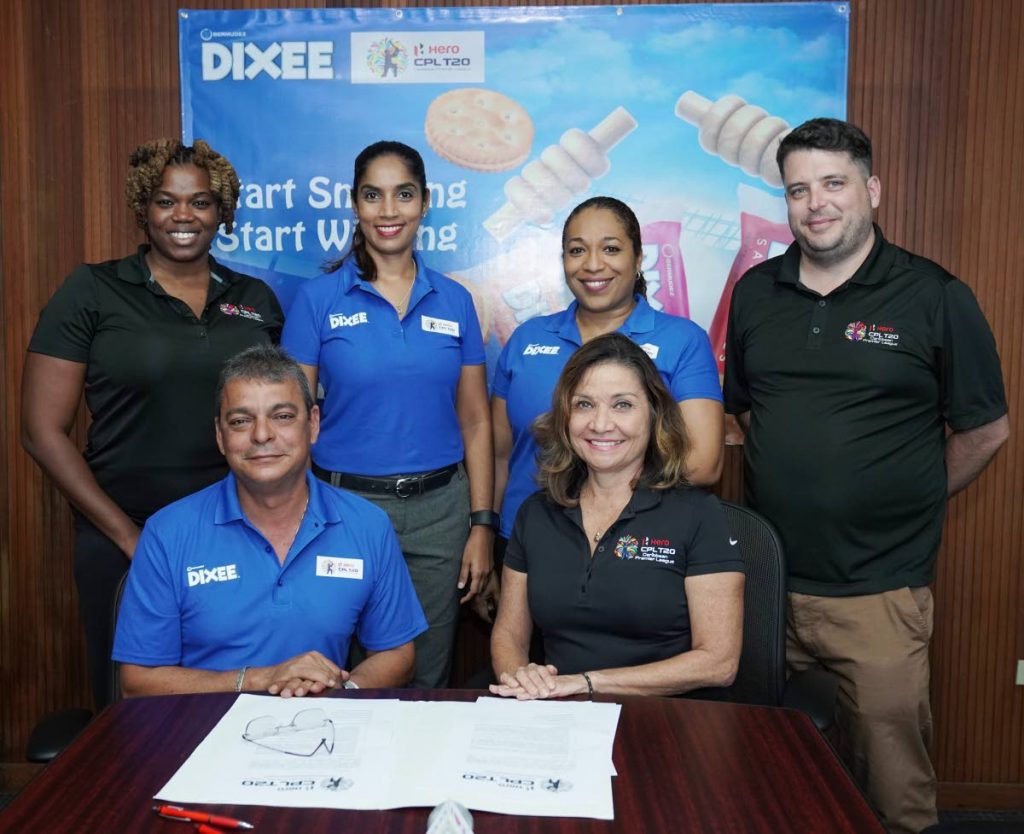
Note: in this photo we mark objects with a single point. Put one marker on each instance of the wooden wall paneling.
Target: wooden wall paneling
(38, 197)
(939, 86)
(988, 737)
(944, 164)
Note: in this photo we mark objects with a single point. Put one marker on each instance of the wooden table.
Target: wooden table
(683, 765)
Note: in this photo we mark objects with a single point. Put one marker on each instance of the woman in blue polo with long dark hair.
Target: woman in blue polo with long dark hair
(405, 422)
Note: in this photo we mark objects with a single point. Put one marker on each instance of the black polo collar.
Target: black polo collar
(873, 270)
(643, 499)
(134, 270)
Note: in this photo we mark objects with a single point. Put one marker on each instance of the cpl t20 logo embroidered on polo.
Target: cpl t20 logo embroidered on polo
(856, 330)
(627, 548)
(241, 310)
(645, 549)
(872, 334)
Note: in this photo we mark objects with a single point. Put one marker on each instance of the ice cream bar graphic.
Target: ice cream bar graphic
(547, 184)
(741, 134)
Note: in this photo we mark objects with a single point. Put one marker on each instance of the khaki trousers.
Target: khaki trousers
(878, 647)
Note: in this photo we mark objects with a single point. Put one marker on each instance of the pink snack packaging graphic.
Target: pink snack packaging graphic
(663, 268)
(764, 233)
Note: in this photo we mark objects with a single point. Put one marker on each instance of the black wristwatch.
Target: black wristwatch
(485, 518)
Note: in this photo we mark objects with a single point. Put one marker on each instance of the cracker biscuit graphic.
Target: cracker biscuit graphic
(479, 129)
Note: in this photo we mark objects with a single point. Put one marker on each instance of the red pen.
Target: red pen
(174, 812)
(203, 828)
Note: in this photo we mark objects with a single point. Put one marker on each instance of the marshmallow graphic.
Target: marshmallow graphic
(741, 134)
(547, 185)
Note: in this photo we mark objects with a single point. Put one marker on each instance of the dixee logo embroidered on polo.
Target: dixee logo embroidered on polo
(202, 575)
(240, 310)
(341, 320)
(872, 334)
(546, 350)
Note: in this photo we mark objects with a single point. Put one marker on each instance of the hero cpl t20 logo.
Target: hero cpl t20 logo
(627, 548)
(387, 56)
(856, 330)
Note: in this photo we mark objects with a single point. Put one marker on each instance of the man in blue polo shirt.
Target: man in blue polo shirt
(259, 582)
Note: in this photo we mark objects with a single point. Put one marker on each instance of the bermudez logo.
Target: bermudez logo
(387, 55)
(627, 548)
(872, 334)
(241, 310)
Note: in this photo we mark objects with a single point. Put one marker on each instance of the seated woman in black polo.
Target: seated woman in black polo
(631, 575)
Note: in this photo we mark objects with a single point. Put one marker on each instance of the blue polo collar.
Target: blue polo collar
(352, 279)
(640, 320)
(229, 509)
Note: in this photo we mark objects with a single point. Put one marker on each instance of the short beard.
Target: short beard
(849, 244)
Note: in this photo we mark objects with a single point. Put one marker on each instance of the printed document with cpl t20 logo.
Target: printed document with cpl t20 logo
(542, 758)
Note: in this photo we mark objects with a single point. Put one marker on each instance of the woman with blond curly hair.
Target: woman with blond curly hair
(629, 572)
(144, 337)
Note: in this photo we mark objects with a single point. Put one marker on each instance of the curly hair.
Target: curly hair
(146, 171)
(561, 471)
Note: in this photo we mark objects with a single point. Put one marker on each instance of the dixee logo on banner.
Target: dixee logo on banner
(520, 114)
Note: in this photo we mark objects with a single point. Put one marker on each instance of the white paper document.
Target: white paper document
(540, 758)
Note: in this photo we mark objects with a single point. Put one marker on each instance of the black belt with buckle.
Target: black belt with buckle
(404, 486)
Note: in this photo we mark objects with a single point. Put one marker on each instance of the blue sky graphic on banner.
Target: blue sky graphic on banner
(520, 114)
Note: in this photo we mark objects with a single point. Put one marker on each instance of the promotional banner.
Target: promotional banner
(520, 114)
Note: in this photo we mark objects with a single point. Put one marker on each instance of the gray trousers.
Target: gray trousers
(432, 531)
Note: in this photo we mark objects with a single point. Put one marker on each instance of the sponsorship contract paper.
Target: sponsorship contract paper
(536, 758)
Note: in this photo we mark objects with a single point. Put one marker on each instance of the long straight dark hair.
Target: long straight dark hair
(414, 162)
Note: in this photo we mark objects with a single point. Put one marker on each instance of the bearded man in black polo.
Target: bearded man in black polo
(847, 360)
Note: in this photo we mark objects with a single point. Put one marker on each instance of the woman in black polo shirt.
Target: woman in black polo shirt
(630, 574)
(144, 337)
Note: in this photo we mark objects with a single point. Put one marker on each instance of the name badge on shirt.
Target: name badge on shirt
(339, 567)
(650, 350)
(432, 325)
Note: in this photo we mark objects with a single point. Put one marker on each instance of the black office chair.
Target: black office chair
(57, 730)
(761, 678)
